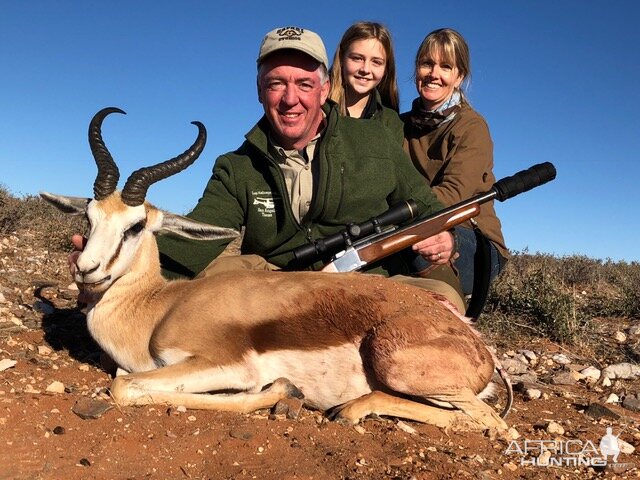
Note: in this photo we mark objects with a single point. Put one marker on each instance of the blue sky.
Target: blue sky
(556, 81)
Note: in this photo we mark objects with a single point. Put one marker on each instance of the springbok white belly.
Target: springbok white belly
(327, 377)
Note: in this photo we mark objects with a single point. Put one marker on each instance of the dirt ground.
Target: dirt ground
(50, 376)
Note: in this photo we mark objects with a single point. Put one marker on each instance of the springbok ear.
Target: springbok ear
(70, 205)
(193, 229)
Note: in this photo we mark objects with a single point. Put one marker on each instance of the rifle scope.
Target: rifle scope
(326, 246)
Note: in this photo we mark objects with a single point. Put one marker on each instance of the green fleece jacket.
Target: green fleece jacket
(359, 172)
(389, 117)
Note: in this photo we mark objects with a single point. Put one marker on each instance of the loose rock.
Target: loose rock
(613, 398)
(529, 355)
(555, 428)
(290, 407)
(564, 378)
(6, 363)
(532, 394)
(514, 366)
(561, 359)
(591, 374)
(241, 434)
(624, 371)
(55, 387)
(89, 408)
(597, 411)
(406, 428)
(620, 337)
(625, 447)
(632, 402)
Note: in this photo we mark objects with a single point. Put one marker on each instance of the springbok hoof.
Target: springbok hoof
(288, 389)
(343, 415)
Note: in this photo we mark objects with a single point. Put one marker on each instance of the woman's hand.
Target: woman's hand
(438, 249)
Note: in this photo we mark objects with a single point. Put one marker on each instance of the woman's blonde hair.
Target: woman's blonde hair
(450, 47)
(388, 87)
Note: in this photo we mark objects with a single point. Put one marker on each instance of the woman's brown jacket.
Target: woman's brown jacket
(456, 158)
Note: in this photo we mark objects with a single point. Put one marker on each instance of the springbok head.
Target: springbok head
(120, 223)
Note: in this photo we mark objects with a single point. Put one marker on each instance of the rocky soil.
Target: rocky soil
(57, 420)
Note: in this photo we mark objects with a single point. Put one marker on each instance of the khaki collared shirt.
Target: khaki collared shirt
(298, 174)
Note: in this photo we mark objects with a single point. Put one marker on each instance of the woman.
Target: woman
(450, 144)
(363, 75)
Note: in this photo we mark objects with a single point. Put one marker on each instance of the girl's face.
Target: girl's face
(436, 80)
(364, 66)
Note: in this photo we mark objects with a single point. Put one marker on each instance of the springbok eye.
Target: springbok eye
(135, 229)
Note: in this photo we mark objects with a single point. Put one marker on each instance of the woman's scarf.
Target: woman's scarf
(423, 120)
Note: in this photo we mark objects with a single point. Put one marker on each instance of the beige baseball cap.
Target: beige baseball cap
(295, 38)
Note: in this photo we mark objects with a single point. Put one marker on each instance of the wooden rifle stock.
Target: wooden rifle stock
(378, 246)
(405, 237)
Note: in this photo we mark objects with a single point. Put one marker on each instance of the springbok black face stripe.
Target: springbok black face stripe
(131, 232)
(114, 257)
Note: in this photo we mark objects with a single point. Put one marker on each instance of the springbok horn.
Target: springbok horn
(135, 190)
(108, 174)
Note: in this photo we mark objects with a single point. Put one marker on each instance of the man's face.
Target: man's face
(291, 92)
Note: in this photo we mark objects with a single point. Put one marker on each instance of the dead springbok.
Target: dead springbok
(354, 343)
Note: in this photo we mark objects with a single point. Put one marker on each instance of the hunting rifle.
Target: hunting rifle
(363, 244)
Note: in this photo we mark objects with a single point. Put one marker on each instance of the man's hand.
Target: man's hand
(78, 242)
(438, 249)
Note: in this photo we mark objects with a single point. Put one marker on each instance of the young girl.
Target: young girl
(363, 75)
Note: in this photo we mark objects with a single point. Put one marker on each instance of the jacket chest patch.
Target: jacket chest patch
(265, 202)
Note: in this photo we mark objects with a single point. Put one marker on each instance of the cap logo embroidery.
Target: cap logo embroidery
(289, 33)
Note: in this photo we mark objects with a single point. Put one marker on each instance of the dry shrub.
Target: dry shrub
(9, 211)
(53, 228)
(559, 297)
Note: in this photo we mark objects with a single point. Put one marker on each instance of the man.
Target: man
(303, 172)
